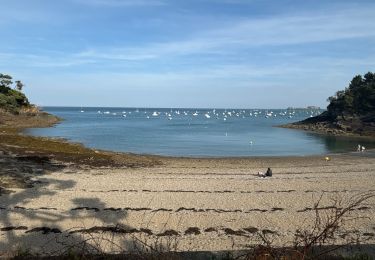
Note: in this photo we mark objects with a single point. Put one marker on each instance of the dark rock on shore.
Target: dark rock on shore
(342, 125)
(27, 119)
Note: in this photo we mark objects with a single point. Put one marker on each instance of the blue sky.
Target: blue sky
(186, 53)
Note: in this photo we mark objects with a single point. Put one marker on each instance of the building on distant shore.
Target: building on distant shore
(313, 107)
(301, 108)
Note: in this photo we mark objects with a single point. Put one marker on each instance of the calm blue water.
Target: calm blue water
(192, 132)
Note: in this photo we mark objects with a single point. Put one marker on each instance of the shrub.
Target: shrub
(11, 100)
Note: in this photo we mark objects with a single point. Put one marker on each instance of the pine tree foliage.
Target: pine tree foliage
(358, 99)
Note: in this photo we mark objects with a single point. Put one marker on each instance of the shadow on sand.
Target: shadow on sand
(28, 230)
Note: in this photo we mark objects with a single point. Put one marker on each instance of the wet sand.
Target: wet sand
(184, 204)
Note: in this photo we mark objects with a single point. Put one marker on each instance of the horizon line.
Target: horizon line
(209, 108)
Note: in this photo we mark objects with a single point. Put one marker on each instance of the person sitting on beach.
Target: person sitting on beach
(267, 174)
(363, 148)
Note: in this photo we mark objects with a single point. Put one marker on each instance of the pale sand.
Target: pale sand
(185, 193)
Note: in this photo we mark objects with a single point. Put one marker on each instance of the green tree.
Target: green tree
(358, 99)
(5, 83)
(19, 85)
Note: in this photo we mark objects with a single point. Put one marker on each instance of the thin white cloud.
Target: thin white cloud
(42, 61)
(153, 51)
(121, 3)
(115, 54)
(307, 28)
(248, 33)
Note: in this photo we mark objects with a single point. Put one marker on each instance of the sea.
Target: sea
(190, 132)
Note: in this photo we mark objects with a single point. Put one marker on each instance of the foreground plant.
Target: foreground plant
(318, 240)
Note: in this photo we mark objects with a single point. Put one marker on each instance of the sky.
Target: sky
(186, 53)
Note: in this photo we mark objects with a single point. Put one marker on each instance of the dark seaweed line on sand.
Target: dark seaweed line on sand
(118, 229)
(123, 230)
(181, 209)
(112, 209)
(178, 210)
(217, 191)
(180, 191)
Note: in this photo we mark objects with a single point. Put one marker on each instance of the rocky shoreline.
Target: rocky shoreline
(26, 119)
(350, 126)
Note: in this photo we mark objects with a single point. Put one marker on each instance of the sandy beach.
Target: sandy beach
(163, 130)
(184, 204)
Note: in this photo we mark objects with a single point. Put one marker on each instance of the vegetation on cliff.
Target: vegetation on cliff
(12, 99)
(350, 112)
(358, 99)
(15, 109)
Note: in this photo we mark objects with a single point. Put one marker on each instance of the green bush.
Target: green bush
(11, 100)
(8, 103)
(20, 98)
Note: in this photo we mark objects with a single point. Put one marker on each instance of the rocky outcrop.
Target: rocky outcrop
(342, 125)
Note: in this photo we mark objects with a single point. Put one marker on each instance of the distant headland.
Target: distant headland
(350, 112)
(304, 108)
